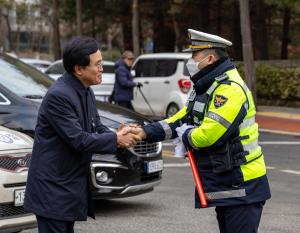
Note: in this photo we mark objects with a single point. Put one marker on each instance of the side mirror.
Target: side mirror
(132, 73)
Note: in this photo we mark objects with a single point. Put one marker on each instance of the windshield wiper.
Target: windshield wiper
(33, 96)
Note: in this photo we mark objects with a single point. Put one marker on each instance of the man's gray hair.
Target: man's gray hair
(127, 54)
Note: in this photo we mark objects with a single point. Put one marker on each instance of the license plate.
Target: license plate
(19, 197)
(154, 166)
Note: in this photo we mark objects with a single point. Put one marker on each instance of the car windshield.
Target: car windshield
(22, 79)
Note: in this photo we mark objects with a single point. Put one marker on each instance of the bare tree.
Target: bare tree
(247, 46)
(56, 48)
(115, 31)
(135, 28)
(285, 38)
(79, 17)
(4, 31)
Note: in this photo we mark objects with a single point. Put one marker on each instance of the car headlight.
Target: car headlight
(102, 176)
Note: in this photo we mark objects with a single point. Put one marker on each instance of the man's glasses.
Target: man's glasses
(98, 64)
(130, 58)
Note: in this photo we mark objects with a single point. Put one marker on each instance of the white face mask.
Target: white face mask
(192, 66)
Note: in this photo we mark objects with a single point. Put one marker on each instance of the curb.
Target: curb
(279, 123)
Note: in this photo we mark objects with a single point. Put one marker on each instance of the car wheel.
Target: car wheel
(172, 109)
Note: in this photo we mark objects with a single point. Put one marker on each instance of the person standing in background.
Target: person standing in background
(123, 88)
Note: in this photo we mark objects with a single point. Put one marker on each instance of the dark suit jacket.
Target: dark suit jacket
(68, 131)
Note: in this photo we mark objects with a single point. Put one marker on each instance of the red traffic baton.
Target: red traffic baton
(199, 187)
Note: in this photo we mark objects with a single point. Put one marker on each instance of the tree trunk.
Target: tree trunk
(135, 28)
(285, 33)
(260, 36)
(247, 46)
(177, 34)
(219, 15)
(56, 35)
(79, 17)
(236, 25)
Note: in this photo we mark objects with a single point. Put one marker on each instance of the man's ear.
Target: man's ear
(211, 59)
(78, 70)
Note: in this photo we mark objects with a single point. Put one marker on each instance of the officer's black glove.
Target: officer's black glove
(139, 84)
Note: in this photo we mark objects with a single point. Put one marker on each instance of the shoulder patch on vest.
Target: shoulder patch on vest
(219, 101)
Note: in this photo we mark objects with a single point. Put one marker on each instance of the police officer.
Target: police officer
(218, 124)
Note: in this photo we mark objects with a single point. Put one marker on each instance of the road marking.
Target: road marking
(168, 144)
(291, 172)
(187, 165)
(279, 142)
(176, 165)
(260, 142)
(168, 153)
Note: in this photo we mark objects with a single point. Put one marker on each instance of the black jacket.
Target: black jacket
(68, 131)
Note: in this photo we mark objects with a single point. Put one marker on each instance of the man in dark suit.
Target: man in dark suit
(68, 131)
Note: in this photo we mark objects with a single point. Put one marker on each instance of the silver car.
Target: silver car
(15, 155)
(102, 91)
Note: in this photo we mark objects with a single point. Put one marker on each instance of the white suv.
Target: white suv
(15, 155)
(165, 84)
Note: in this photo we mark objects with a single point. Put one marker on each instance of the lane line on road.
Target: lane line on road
(176, 164)
(260, 142)
(291, 172)
(279, 142)
(187, 165)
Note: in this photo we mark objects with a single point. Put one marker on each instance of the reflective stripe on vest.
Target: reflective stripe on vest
(167, 129)
(226, 194)
(251, 146)
(247, 123)
(218, 118)
(199, 107)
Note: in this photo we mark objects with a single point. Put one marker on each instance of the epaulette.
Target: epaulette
(221, 77)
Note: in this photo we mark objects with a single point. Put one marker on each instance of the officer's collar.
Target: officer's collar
(74, 82)
(205, 78)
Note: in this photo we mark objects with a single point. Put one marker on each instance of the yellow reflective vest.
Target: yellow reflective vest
(224, 131)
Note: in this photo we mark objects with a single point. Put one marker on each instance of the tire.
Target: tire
(171, 110)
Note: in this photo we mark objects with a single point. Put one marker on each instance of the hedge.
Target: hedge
(277, 86)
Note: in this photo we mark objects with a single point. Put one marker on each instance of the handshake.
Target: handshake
(129, 135)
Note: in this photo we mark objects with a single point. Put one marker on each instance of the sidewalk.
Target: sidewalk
(279, 119)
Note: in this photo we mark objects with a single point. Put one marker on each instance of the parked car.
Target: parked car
(15, 154)
(129, 172)
(41, 65)
(103, 90)
(165, 84)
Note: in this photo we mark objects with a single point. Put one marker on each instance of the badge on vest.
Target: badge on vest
(219, 101)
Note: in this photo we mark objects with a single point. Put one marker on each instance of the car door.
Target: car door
(144, 69)
(160, 84)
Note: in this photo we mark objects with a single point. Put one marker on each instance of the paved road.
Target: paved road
(170, 207)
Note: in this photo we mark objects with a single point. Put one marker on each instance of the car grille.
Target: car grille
(9, 210)
(147, 149)
(15, 164)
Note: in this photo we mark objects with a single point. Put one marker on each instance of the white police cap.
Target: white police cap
(201, 40)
